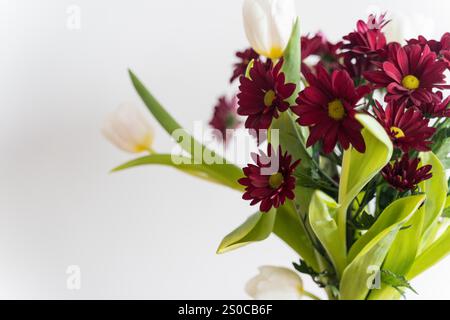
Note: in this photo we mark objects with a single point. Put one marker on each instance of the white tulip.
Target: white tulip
(268, 25)
(404, 27)
(275, 283)
(128, 129)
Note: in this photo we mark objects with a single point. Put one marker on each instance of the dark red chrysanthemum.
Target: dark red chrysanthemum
(244, 59)
(404, 174)
(441, 48)
(364, 45)
(310, 45)
(263, 96)
(270, 180)
(407, 127)
(319, 46)
(225, 117)
(409, 74)
(436, 109)
(327, 106)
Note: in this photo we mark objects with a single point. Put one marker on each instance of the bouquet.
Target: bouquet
(353, 141)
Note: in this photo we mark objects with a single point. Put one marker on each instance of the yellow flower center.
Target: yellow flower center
(336, 110)
(276, 180)
(275, 53)
(410, 82)
(398, 133)
(269, 97)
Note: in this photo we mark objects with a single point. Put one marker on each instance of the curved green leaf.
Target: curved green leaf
(359, 168)
(437, 251)
(289, 228)
(322, 214)
(256, 228)
(354, 283)
(397, 212)
(355, 279)
(290, 133)
(401, 255)
(225, 174)
(436, 190)
(185, 140)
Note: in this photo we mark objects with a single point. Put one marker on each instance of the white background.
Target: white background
(149, 232)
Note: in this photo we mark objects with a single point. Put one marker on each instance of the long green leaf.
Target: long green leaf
(354, 283)
(256, 228)
(437, 251)
(322, 214)
(401, 255)
(224, 174)
(289, 228)
(436, 190)
(359, 168)
(290, 133)
(397, 212)
(185, 140)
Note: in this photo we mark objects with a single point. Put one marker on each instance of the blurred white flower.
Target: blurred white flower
(268, 25)
(128, 129)
(275, 283)
(403, 27)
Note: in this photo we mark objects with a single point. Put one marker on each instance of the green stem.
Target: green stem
(311, 295)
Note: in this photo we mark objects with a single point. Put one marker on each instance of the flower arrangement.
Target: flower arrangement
(353, 152)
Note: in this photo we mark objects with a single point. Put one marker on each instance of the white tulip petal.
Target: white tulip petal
(268, 25)
(128, 129)
(275, 283)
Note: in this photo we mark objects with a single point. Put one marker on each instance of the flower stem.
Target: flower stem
(311, 295)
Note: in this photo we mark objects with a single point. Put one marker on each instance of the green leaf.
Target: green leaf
(441, 145)
(437, 251)
(289, 228)
(401, 255)
(292, 60)
(395, 214)
(355, 279)
(435, 188)
(404, 250)
(322, 214)
(256, 228)
(162, 116)
(359, 168)
(396, 281)
(228, 172)
(225, 174)
(291, 137)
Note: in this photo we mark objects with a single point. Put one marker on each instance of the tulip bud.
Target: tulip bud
(275, 283)
(268, 25)
(128, 129)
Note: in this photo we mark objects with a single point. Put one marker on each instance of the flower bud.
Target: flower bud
(128, 129)
(268, 25)
(275, 283)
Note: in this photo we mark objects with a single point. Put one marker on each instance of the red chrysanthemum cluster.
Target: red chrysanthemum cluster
(225, 117)
(326, 52)
(240, 67)
(365, 45)
(341, 80)
(441, 48)
(409, 74)
(412, 76)
(264, 95)
(270, 180)
(327, 107)
(405, 174)
(407, 127)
